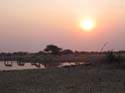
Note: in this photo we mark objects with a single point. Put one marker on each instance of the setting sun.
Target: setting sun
(87, 24)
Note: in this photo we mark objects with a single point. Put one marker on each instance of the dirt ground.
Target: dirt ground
(79, 79)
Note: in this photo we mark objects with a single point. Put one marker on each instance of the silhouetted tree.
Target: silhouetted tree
(41, 53)
(53, 49)
(67, 51)
(20, 53)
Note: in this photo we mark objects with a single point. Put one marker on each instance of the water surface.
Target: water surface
(28, 65)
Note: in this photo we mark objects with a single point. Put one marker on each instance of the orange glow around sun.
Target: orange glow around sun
(87, 24)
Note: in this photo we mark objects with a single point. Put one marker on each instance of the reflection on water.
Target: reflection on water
(16, 66)
(70, 64)
(66, 64)
(21, 66)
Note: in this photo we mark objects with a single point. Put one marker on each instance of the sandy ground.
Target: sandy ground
(78, 79)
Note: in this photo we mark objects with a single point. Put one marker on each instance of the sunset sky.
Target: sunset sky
(30, 25)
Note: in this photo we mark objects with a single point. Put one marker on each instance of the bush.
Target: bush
(112, 57)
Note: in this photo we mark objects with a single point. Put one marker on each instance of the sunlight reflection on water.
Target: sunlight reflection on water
(15, 66)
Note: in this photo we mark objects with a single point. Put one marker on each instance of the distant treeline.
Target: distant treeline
(51, 53)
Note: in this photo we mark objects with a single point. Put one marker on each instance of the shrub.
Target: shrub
(112, 57)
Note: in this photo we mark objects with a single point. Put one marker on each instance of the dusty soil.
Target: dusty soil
(80, 79)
